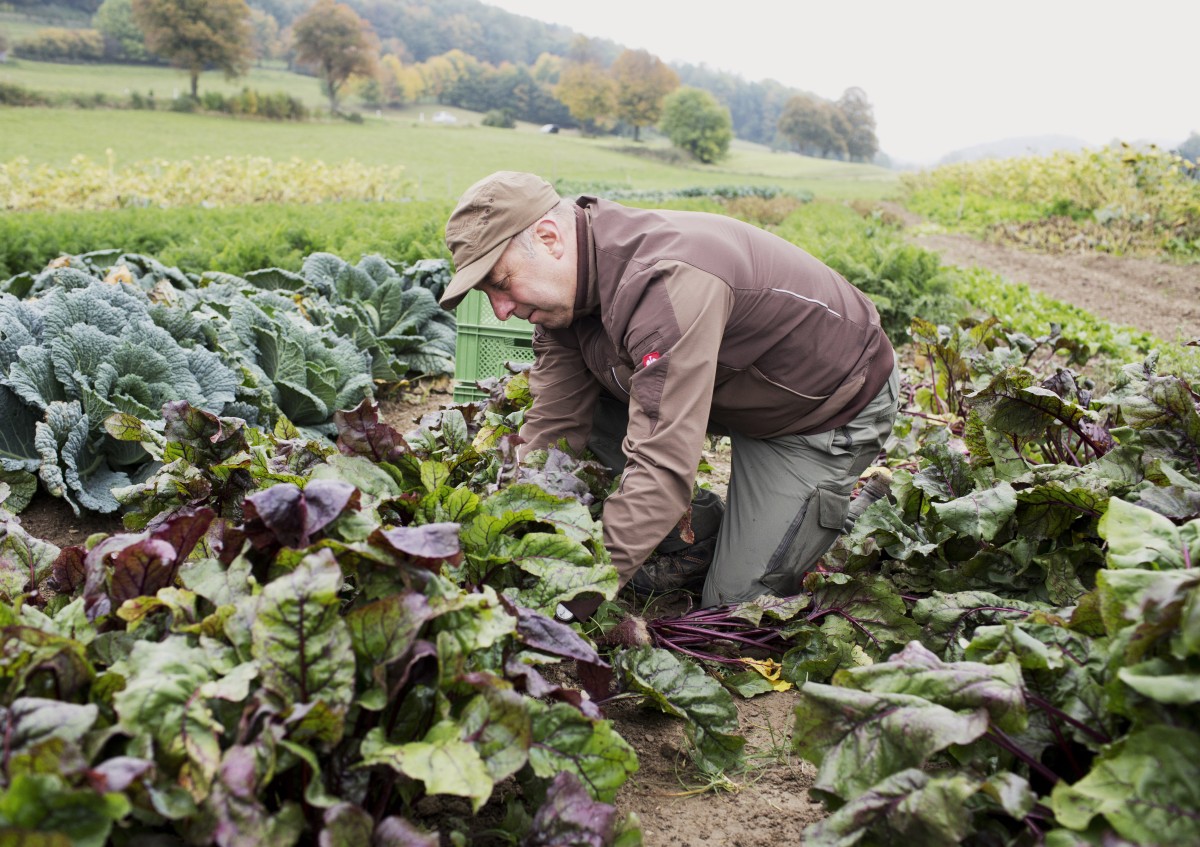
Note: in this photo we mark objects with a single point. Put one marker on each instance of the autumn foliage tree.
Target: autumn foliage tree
(589, 94)
(642, 81)
(332, 38)
(195, 35)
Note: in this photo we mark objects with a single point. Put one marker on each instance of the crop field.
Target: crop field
(262, 583)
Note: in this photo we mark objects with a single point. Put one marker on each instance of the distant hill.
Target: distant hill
(1008, 148)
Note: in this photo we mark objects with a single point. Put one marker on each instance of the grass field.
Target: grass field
(441, 160)
(165, 83)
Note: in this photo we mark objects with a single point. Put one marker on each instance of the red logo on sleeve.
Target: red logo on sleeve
(650, 358)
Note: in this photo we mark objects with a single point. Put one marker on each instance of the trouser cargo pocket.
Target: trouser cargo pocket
(816, 527)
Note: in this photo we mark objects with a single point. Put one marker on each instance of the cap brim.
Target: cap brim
(469, 276)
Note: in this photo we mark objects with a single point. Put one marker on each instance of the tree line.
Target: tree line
(381, 50)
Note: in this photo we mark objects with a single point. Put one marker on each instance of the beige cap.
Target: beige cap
(487, 217)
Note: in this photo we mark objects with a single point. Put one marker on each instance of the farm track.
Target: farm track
(1156, 297)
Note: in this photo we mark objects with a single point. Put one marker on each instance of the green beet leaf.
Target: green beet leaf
(679, 687)
(43, 806)
(24, 560)
(564, 739)
(947, 618)
(867, 609)
(1155, 679)
(498, 724)
(959, 686)
(567, 515)
(1151, 600)
(346, 825)
(34, 720)
(980, 515)
(160, 700)
(908, 806)
(1011, 403)
(301, 642)
(1145, 787)
(382, 632)
(859, 738)
(442, 761)
(1138, 537)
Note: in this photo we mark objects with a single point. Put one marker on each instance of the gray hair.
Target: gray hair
(563, 213)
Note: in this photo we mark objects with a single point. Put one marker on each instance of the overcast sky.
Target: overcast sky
(941, 74)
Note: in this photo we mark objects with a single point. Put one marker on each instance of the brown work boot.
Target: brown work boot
(877, 486)
(665, 572)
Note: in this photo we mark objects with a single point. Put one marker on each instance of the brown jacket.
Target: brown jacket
(691, 318)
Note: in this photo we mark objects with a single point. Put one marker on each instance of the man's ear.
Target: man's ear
(549, 234)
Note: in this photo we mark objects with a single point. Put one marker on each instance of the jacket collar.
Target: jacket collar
(587, 291)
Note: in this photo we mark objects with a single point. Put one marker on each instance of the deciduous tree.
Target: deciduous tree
(400, 83)
(449, 72)
(697, 123)
(589, 94)
(1190, 149)
(195, 35)
(547, 69)
(643, 81)
(264, 30)
(332, 38)
(813, 126)
(123, 38)
(855, 108)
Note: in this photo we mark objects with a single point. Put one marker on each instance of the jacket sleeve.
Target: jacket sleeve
(673, 337)
(564, 393)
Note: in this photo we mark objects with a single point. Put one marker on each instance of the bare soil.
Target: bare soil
(1156, 297)
(1161, 298)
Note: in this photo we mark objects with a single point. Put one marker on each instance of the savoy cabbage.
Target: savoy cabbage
(109, 332)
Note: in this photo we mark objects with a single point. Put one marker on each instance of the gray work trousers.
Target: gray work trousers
(787, 499)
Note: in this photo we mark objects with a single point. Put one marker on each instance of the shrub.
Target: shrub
(500, 118)
(697, 123)
(57, 44)
(17, 95)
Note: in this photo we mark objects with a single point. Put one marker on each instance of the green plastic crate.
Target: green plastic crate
(484, 344)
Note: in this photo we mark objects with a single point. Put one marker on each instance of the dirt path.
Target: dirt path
(1155, 297)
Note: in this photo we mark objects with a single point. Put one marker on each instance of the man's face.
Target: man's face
(535, 279)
